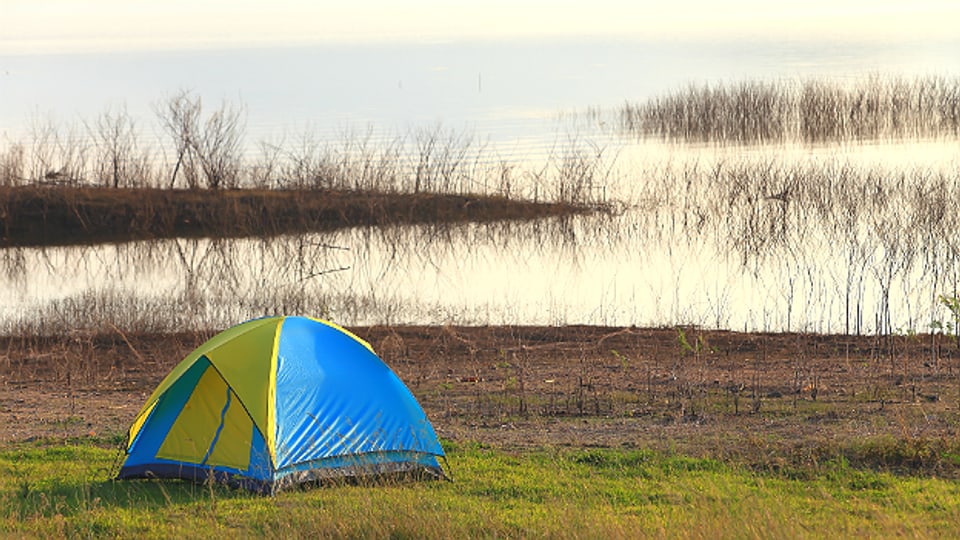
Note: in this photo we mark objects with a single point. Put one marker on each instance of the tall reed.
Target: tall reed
(812, 111)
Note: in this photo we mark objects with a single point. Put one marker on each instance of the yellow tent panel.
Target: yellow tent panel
(194, 430)
(232, 448)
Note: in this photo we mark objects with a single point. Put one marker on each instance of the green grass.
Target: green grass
(49, 489)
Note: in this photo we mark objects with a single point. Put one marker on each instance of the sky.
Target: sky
(39, 26)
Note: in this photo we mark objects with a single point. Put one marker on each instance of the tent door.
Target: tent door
(213, 428)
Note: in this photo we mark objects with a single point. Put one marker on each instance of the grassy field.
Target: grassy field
(64, 489)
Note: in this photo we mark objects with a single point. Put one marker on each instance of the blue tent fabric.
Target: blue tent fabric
(338, 408)
(326, 407)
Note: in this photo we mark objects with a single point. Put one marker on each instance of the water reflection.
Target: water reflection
(828, 248)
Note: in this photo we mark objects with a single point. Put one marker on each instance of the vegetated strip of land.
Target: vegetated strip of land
(62, 215)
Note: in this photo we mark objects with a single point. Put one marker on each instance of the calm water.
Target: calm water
(652, 264)
(513, 93)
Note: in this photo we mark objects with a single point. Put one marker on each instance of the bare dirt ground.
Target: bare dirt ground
(767, 400)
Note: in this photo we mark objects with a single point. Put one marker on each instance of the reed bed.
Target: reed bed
(812, 111)
(840, 236)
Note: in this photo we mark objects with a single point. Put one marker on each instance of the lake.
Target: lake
(511, 92)
(683, 248)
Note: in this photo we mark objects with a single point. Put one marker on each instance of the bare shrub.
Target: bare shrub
(441, 160)
(57, 155)
(580, 173)
(180, 118)
(119, 160)
(265, 171)
(12, 166)
(307, 164)
(219, 148)
(208, 153)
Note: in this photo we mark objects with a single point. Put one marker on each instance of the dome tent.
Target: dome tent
(278, 401)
